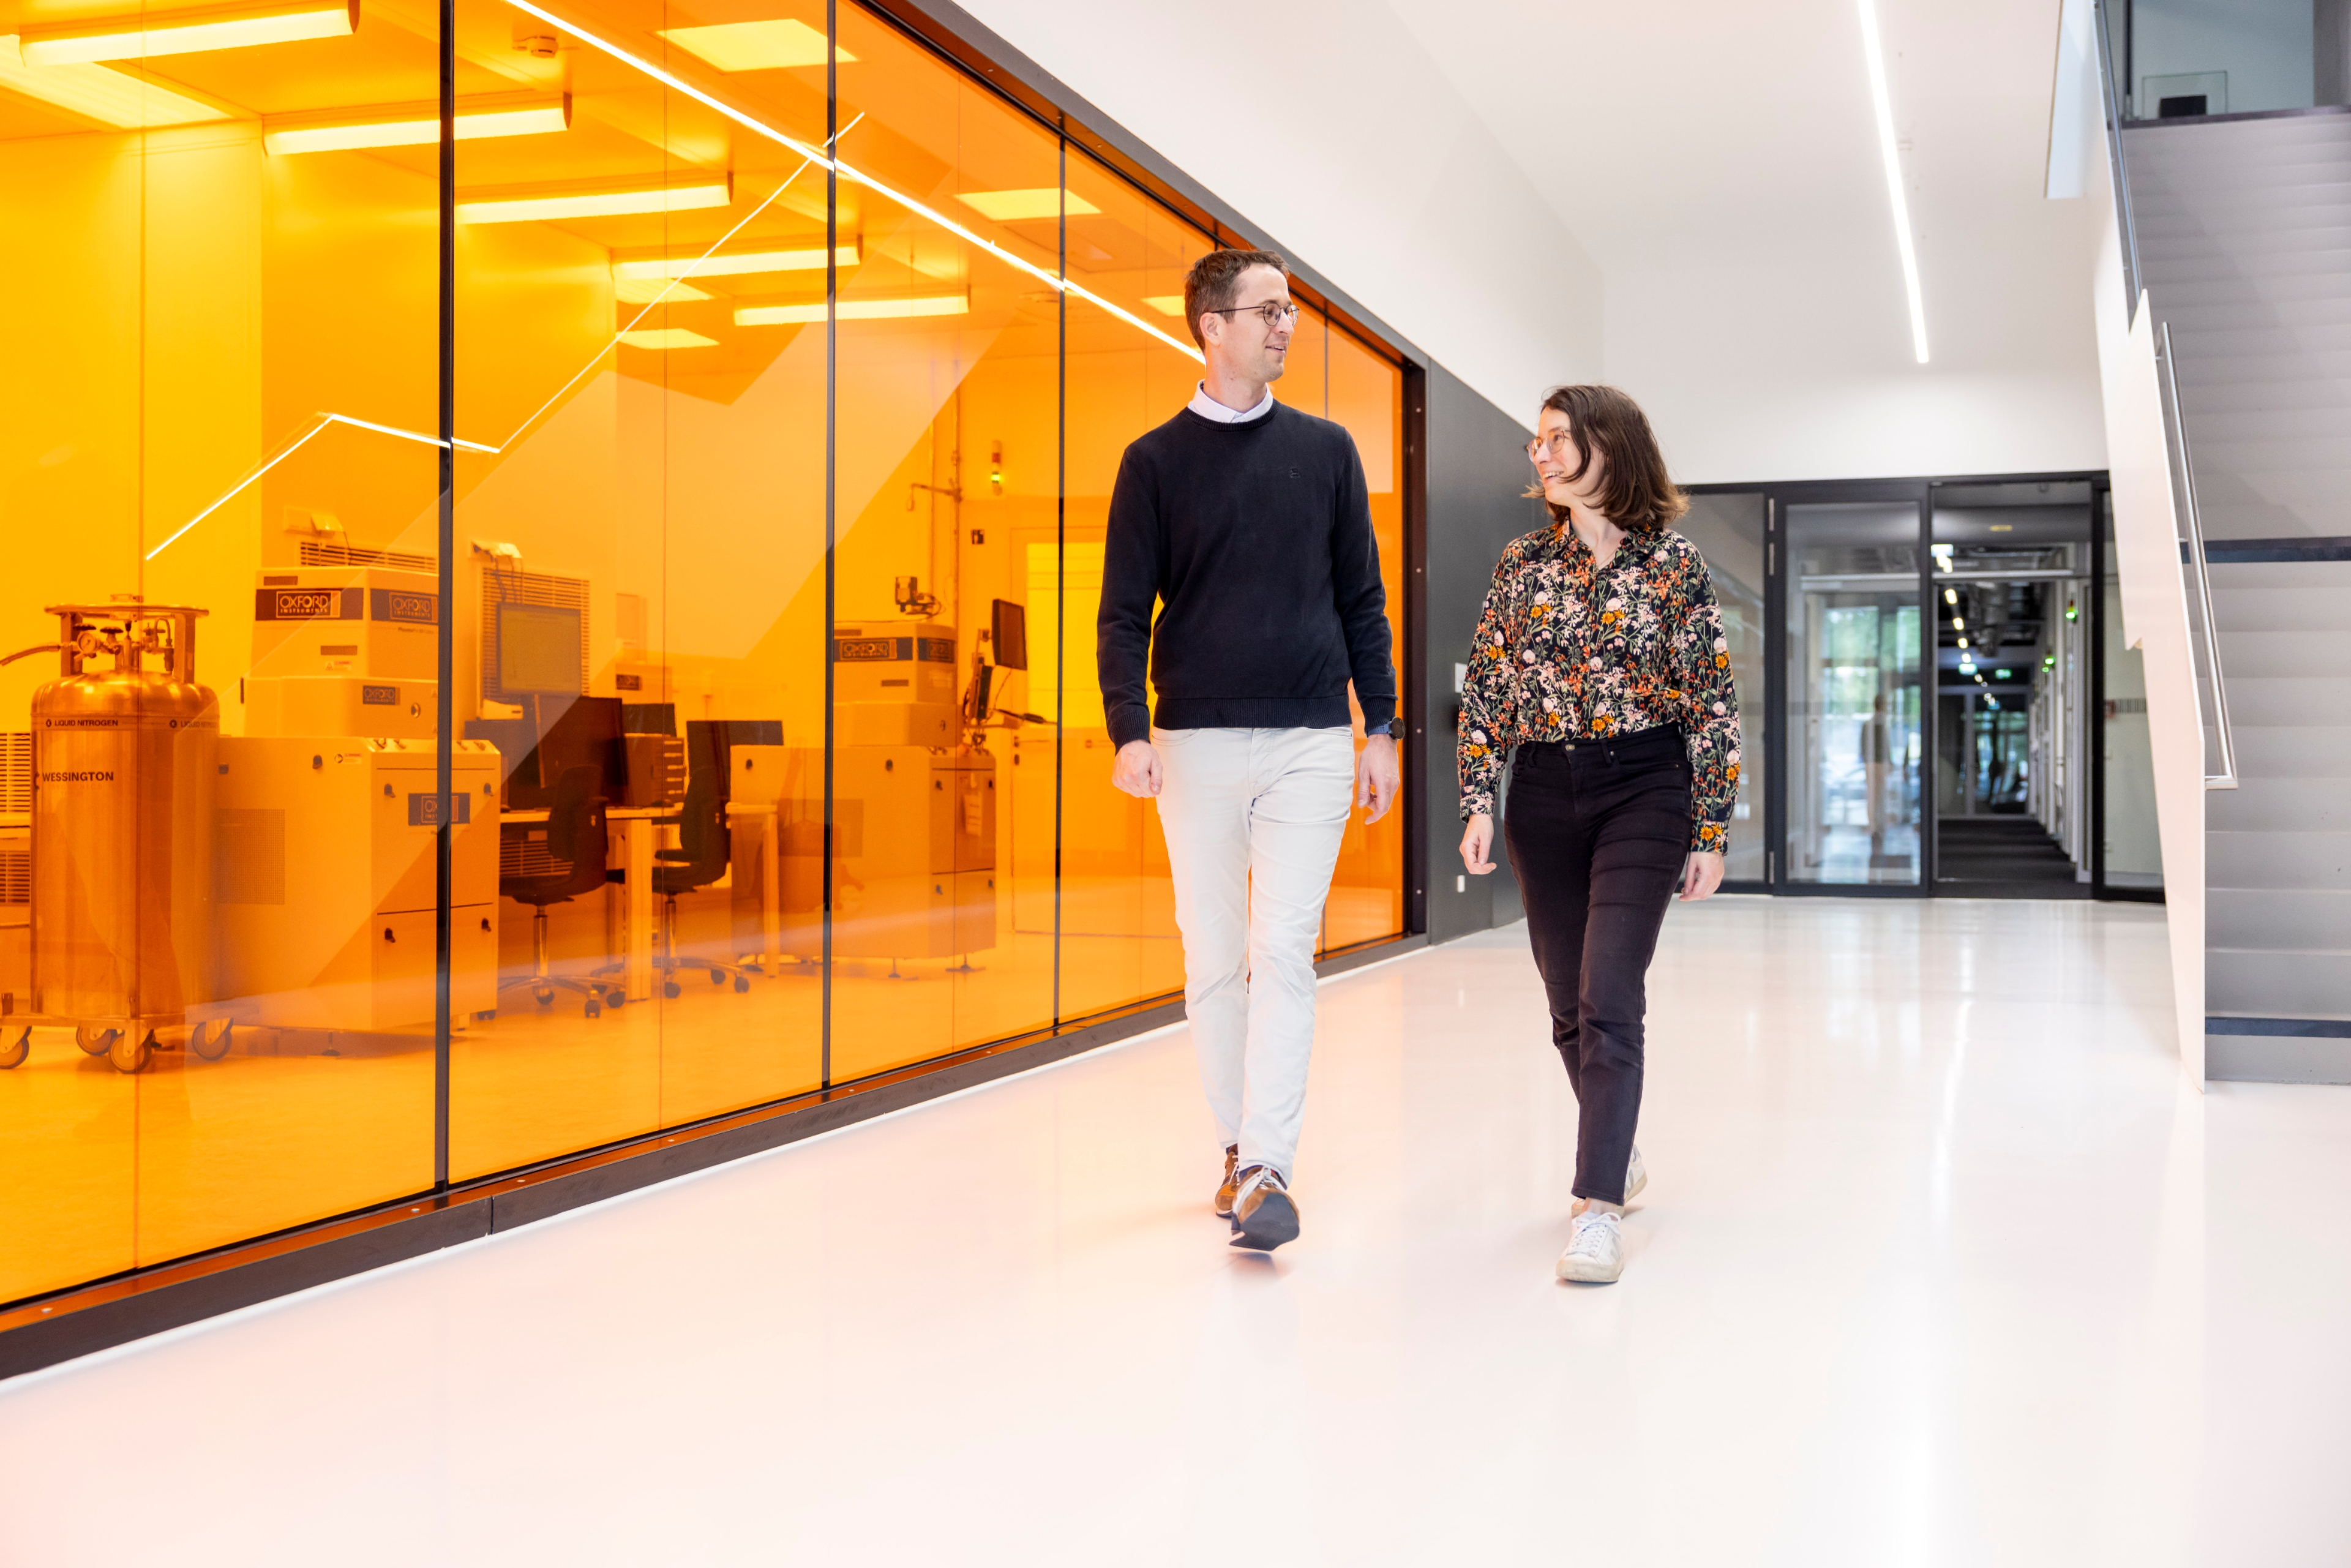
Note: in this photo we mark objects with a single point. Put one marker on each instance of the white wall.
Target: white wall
(2263, 44)
(1340, 138)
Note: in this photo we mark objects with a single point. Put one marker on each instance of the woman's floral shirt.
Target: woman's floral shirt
(1569, 650)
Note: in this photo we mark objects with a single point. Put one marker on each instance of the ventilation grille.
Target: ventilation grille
(504, 586)
(316, 554)
(16, 875)
(16, 770)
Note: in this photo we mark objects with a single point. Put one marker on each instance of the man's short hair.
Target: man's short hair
(1215, 281)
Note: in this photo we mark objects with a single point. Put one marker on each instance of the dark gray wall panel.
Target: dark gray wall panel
(1477, 468)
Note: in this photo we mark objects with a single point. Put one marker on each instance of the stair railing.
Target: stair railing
(2193, 550)
(2112, 103)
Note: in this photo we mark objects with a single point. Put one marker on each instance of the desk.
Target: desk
(632, 850)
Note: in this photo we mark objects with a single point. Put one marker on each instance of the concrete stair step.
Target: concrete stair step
(2309, 396)
(2260, 805)
(2279, 424)
(2250, 234)
(2285, 289)
(2163, 271)
(2234, 313)
(2248, 596)
(2315, 861)
(2306, 920)
(2263, 983)
(2273, 653)
(2291, 751)
(2288, 700)
(2255, 342)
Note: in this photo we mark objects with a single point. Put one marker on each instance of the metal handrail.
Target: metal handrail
(2227, 778)
(2121, 176)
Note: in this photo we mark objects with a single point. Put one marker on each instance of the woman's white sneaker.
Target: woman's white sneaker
(1595, 1253)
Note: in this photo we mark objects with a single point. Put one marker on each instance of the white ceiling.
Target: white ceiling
(1687, 200)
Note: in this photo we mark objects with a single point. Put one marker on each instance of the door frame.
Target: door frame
(1777, 496)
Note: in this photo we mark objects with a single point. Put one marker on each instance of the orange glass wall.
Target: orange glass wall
(758, 470)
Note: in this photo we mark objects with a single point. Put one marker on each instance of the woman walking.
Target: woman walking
(1600, 659)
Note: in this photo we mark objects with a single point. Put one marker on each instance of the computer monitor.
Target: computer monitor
(1008, 631)
(539, 649)
(573, 732)
(648, 719)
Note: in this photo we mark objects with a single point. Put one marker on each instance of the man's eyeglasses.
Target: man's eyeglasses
(1276, 314)
(1556, 444)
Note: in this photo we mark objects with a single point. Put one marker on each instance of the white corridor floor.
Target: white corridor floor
(1938, 1264)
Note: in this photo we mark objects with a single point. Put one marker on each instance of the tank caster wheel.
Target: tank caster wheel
(544, 995)
(717, 976)
(211, 1040)
(614, 999)
(129, 1058)
(94, 1041)
(13, 1054)
(593, 1010)
(742, 984)
(672, 989)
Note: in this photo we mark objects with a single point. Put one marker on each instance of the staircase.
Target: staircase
(2244, 233)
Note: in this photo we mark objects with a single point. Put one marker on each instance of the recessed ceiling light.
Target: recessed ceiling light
(1883, 104)
(666, 337)
(417, 127)
(106, 96)
(756, 46)
(733, 264)
(187, 32)
(593, 202)
(853, 310)
(1165, 304)
(645, 290)
(1008, 206)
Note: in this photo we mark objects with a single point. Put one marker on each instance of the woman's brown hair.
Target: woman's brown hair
(1636, 491)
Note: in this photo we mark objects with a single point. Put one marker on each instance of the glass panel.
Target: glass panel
(948, 356)
(1367, 396)
(2133, 845)
(1853, 718)
(2221, 56)
(210, 888)
(640, 608)
(1119, 943)
(1729, 532)
(2012, 580)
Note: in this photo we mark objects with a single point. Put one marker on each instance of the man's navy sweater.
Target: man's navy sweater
(1257, 538)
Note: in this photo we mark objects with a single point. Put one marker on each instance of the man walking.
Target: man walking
(1250, 522)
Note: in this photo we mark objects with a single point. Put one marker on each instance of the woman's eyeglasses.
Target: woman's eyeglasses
(1557, 444)
(1276, 314)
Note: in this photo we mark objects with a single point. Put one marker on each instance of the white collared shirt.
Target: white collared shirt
(1208, 407)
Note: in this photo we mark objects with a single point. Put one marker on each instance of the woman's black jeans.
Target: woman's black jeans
(1598, 832)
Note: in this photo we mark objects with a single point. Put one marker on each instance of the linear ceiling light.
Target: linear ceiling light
(730, 265)
(666, 337)
(417, 127)
(822, 158)
(109, 97)
(646, 290)
(188, 32)
(608, 203)
(756, 46)
(1005, 207)
(1877, 53)
(853, 310)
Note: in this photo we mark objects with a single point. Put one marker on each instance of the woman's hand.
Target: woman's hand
(1702, 875)
(1478, 842)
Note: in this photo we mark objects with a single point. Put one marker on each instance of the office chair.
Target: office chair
(577, 845)
(705, 848)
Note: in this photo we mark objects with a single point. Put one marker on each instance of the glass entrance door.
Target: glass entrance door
(1854, 718)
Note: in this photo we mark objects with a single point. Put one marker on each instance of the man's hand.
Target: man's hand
(1702, 875)
(1136, 770)
(1477, 844)
(1378, 779)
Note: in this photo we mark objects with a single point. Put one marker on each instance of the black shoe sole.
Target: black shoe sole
(1271, 1223)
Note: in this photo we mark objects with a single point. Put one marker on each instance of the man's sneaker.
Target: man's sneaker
(1596, 1254)
(1264, 1214)
(1637, 1176)
(1232, 1183)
